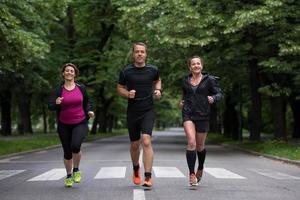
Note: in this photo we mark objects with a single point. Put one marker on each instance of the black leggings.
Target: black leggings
(71, 137)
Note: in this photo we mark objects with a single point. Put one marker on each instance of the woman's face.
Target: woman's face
(69, 73)
(196, 66)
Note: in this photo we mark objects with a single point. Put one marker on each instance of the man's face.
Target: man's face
(139, 54)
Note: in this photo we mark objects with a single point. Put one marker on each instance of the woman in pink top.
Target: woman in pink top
(70, 101)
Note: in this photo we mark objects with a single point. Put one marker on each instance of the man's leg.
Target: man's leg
(135, 152)
(148, 152)
(147, 159)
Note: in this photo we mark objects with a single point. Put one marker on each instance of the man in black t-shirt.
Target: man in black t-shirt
(138, 82)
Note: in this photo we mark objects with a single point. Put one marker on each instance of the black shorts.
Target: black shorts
(201, 126)
(140, 123)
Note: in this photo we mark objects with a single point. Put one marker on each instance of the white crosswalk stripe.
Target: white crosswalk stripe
(167, 172)
(158, 172)
(52, 175)
(222, 173)
(138, 194)
(8, 173)
(111, 172)
(274, 174)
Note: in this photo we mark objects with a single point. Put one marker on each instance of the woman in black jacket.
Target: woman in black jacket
(199, 92)
(71, 103)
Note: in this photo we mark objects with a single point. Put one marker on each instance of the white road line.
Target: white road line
(8, 173)
(167, 172)
(138, 194)
(10, 159)
(274, 174)
(222, 173)
(111, 172)
(52, 175)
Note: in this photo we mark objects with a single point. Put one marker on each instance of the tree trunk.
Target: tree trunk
(213, 120)
(45, 124)
(71, 31)
(95, 123)
(110, 123)
(5, 103)
(278, 109)
(231, 121)
(295, 106)
(102, 120)
(255, 110)
(24, 121)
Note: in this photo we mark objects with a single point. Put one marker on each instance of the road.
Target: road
(106, 167)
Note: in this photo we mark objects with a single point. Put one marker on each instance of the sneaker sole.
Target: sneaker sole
(146, 187)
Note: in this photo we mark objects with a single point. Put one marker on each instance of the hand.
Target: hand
(131, 94)
(59, 100)
(91, 114)
(157, 94)
(181, 103)
(210, 99)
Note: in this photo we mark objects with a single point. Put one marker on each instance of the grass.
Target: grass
(16, 144)
(269, 147)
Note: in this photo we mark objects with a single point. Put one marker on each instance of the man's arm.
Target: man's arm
(157, 84)
(122, 91)
(157, 88)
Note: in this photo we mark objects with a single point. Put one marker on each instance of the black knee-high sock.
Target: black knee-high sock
(201, 158)
(191, 159)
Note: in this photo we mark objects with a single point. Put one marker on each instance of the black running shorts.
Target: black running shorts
(140, 123)
(201, 126)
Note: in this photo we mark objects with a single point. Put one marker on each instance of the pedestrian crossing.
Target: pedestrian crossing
(120, 172)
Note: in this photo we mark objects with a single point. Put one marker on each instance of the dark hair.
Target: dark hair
(70, 65)
(190, 59)
(140, 44)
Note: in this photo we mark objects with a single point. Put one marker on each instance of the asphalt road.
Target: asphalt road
(106, 168)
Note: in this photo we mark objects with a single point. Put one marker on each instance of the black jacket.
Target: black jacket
(196, 106)
(87, 106)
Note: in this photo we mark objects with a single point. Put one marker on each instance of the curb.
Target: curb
(29, 151)
(277, 158)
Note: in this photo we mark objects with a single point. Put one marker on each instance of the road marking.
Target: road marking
(52, 175)
(222, 173)
(167, 172)
(8, 173)
(138, 194)
(111, 172)
(274, 174)
(10, 159)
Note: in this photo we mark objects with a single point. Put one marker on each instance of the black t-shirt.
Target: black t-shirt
(141, 80)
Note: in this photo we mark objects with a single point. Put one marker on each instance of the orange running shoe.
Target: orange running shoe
(136, 178)
(193, 180)
(199, 175)
(147, 182)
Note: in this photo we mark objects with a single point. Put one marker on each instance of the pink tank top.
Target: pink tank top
(71, 106)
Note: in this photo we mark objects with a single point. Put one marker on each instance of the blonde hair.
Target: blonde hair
(140, 44)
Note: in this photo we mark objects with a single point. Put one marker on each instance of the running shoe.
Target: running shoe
(147, 182)
(69, 182)
(193, 180)
(199, 175)
(77, 176)
(136, 178)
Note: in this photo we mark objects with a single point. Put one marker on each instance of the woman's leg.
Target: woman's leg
(78, 134)
(190, 133)
(65, 136)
